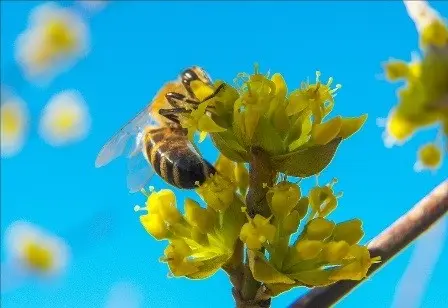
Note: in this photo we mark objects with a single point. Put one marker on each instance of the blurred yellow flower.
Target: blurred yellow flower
(36, 251)
(422, 101)
(65, 119)
(13, 123)
(54, 39)
(429, 157)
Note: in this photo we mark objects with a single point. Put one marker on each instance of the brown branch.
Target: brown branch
(386, 245)
(260, 172)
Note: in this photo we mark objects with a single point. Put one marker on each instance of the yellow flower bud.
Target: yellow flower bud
(302, 207)
(430, 156)
(319, 229)
(307, 249)
(291, 222)
(283, 198)
(154, 225)
(396, 70)
(334, 251)
(349, 231)
(198, 216)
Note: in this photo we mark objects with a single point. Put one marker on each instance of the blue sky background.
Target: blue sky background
(135, 47)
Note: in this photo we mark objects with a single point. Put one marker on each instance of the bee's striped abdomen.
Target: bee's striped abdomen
(175, 160)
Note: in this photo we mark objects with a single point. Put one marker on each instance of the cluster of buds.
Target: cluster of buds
(201, 239)
(323, 253)
(423, 101)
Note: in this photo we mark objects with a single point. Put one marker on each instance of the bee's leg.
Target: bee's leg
(172, 114)
(176, 100)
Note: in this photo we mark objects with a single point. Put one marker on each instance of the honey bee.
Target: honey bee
(160, 140)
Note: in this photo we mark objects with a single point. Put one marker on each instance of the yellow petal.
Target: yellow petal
(325, 132)
(280, 85)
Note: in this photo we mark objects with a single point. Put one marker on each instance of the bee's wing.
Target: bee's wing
(116, 145)
(139, 169)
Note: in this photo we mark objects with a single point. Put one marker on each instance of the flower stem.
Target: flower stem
(387, 245)
(261, 177)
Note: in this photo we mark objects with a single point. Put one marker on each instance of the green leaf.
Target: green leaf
(228, 145)
(263, 271)
(308, 161)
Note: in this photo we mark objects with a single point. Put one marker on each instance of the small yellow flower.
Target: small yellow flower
(55, 36)
(323, 199)
(13, 123)
(176, 256)
(154, 225)
(35, 250)
(318, 97)
(257, 231)
(283, 197)
(429, 157)
(217, 192)
(65, 119)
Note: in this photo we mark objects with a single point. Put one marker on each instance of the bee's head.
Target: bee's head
(194, 73)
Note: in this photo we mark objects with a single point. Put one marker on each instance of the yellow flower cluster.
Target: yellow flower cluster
(323, 253)
(293, 131)
(201, 240)
(423, 101)
(290, 127)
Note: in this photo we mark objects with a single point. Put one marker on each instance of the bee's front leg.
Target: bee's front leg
(178, 100)
(173, 113)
